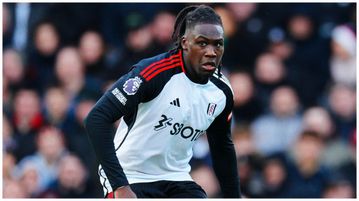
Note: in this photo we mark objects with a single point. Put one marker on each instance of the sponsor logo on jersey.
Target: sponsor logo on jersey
(186, 132)
(119, 96)
(163, 123)
(211, 108)
(132, 85)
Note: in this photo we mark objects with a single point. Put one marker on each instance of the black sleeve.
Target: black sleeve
(121, 99)
(98, 124)
(223, 154)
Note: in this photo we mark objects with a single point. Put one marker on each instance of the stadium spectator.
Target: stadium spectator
(56, 107)
(319, 120)
(282, 49)
(92, 50)
(246, 105)
(26, 120)
(269, 73)
(70, 72)
(13, 69)
(243, 141)
(343, 59)
(46, 38)
(305, 72)
(275, 177)
(30, 180)
(307, 178)
(248, 41)
(342, 106)
(41, 57)
(279, 129)
(51, 148)
(23, 19)
(72, 180)
(161, 30)
(336, 151)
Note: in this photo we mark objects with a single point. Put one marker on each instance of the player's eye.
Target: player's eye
(202, 43)
(219, 44)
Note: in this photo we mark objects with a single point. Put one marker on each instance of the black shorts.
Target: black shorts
(167, 189)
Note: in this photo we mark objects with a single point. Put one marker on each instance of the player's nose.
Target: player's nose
(210, 51)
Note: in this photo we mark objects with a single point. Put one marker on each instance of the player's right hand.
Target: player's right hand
(124, 192)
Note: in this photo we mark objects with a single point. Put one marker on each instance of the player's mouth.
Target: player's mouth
(209, 66)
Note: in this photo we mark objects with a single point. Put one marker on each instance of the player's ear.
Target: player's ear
(184, 43)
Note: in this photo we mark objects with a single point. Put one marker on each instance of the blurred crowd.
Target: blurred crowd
(292, 67)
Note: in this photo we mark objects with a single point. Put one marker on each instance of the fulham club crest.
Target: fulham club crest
(211, 108)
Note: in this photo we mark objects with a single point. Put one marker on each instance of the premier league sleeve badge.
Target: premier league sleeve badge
(132, 85)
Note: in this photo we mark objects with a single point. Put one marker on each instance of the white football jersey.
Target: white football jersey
(165, 112)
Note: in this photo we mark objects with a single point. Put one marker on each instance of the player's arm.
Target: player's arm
(99, 124)
(121, 99)
(223, 154)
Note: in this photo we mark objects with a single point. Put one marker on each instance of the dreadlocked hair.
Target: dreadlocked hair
(190, 16)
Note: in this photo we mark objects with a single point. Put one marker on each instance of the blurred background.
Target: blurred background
(292, 67)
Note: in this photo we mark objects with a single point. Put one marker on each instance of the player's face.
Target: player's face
(203, 50)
